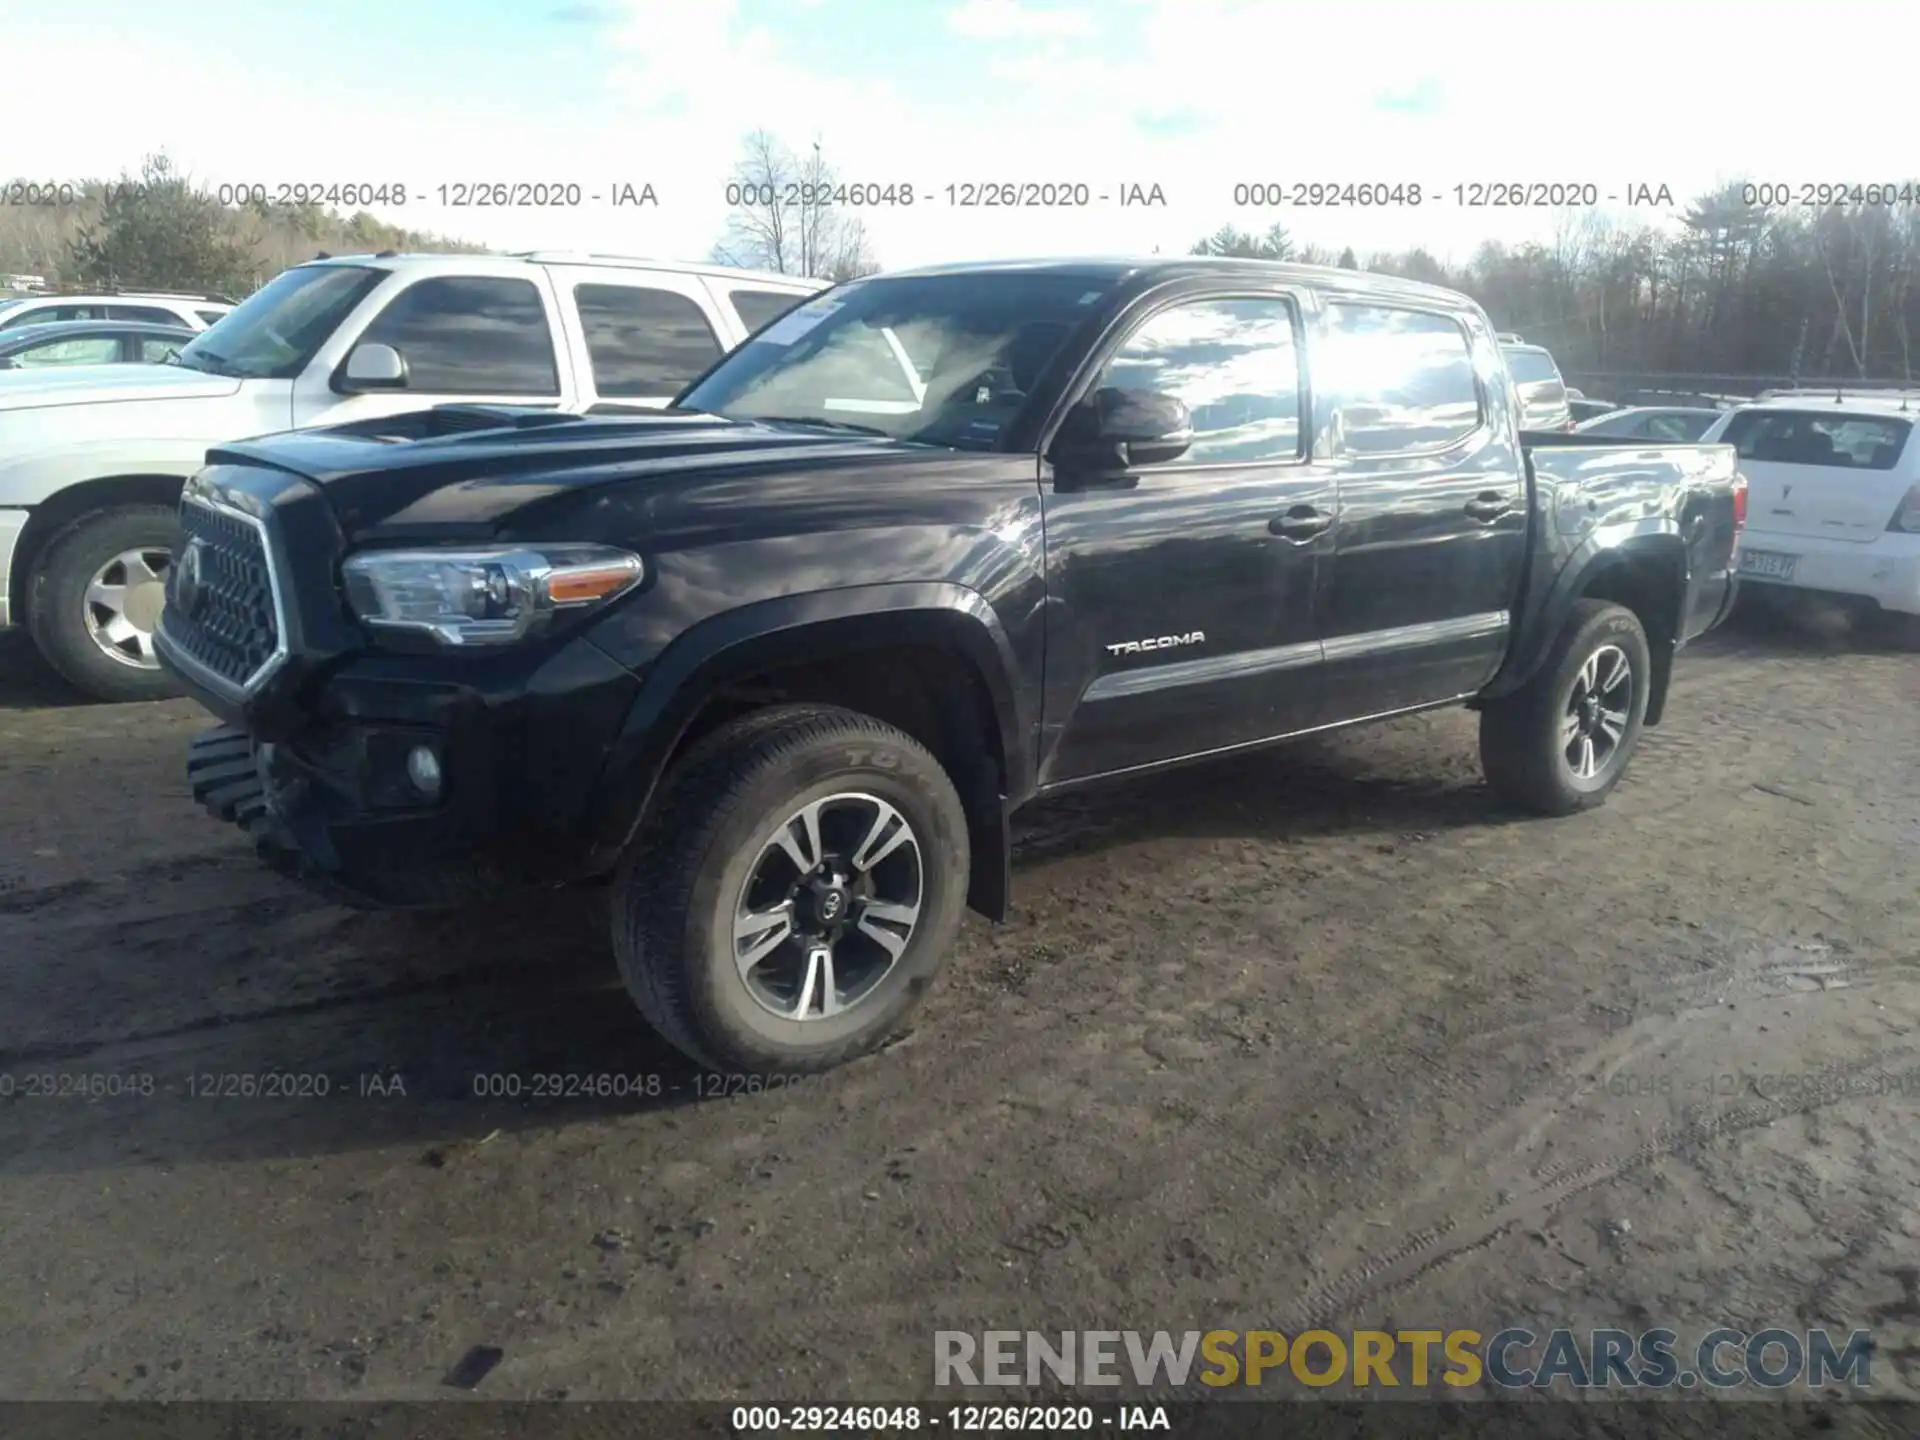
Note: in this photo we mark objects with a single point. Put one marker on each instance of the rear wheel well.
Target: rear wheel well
(932, 692)
(48, 519)
(1651, 586)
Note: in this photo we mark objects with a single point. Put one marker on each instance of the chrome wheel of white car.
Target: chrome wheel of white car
(123, 603)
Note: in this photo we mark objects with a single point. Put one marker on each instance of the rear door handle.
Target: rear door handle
(1489, 505)
(1300, 524)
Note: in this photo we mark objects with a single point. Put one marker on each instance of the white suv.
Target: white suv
(92, 457)
(1833, 496)
(158, 307)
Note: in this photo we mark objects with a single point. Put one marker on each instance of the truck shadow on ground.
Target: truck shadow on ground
(436, 1032)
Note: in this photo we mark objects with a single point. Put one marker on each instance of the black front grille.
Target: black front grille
(220, 596)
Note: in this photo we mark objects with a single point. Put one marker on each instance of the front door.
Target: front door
(482, 339)
(1183, 600)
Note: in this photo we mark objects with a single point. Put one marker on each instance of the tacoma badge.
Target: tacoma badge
(1164, 642)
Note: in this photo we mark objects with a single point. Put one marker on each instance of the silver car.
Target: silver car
(1543, 394)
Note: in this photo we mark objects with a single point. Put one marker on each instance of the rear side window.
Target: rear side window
(756, 307)
(149, 314)
(471, 335)
(1403, 380)
(1794, 437)
(644, 342)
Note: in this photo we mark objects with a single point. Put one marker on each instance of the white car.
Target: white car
(92, 457)
(155, 307)
(1833, 496)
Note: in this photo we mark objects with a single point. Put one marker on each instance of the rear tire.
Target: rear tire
(1560, 743)
(711, 868)
(95, 589)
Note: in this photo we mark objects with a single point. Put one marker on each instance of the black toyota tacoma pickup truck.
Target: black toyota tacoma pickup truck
(780, 661)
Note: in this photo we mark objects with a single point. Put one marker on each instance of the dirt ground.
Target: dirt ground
(1318, 1037)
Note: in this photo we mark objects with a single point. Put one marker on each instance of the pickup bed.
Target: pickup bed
(780, 661)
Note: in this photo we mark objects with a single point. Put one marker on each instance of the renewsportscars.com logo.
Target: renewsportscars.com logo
(1512, 1359)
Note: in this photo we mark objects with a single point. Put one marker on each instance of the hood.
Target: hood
(100, 384)
(467, 472)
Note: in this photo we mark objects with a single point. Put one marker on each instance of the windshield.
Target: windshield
(274, 332)
(940, 359)
(1529, 367)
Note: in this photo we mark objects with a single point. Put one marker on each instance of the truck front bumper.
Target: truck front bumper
(13, 524)
(405, 788)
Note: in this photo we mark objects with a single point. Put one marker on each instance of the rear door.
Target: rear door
(1433, 506)
(641, 336)
(1830, 475)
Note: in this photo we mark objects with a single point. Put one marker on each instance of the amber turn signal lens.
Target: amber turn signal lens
(590, 582)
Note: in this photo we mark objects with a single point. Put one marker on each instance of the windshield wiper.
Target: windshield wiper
(214, 364)
(847, 426)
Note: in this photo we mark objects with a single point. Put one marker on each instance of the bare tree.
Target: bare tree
(788, 215)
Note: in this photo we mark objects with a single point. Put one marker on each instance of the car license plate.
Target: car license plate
(1767, 564)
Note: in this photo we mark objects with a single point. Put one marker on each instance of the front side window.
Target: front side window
(469, 335)
(756, 307)
(644, 342)
(156, 348)
(52, 314)
(1791, 437)
(939, 359)
(276, 331)
(1235, 365)
(1403, 380)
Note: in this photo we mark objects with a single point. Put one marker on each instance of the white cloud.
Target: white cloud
(1011, 20)
(1677, 94)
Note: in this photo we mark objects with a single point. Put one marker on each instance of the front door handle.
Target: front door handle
(1489, 505)
(1300, 524)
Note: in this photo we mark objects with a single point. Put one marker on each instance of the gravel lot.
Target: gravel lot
(1314, 1037)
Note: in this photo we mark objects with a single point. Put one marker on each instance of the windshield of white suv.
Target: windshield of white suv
(939, 359)
(274, 332)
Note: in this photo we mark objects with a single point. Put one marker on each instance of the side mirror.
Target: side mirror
(373, 366)
(1113, 431)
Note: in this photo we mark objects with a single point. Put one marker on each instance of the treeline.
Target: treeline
(160, 230)
(1733, 290)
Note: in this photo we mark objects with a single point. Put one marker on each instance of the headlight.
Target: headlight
(484, 597)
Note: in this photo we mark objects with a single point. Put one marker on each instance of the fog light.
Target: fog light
(423, 768)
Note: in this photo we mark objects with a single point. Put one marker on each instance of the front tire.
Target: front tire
(1560, 743)
(796, 892)
(95, 596)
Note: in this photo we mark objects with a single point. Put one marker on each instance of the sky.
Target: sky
(1191, 96)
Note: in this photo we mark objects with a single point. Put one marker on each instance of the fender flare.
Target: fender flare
(785, 629)
(1657, 544)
